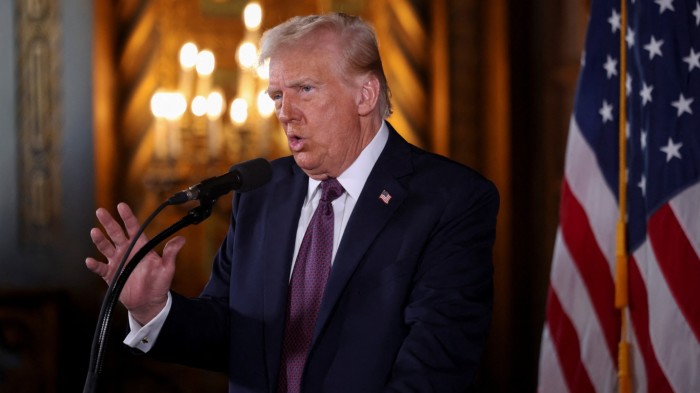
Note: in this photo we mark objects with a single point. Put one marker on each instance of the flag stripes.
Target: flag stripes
(670, 245)
(640, 321)
(591, 265)
(566, 336)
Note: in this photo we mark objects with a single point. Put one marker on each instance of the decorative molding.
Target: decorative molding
(37, 39)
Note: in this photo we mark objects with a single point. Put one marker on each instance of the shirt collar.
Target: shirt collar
(354, 178)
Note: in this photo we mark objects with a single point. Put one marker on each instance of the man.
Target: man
(393, 294)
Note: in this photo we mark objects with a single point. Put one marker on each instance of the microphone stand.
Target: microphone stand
(194, 216)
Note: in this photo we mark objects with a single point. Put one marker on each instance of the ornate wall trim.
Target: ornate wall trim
(37, 38)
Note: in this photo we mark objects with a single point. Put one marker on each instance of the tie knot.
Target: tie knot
(331, 189)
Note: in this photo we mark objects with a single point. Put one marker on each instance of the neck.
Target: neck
(370, 127)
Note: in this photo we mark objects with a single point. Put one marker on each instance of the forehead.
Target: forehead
(316, 54)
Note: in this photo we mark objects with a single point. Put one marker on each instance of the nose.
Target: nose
(285, 109)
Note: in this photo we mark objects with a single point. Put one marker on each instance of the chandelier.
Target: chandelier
(198, 130)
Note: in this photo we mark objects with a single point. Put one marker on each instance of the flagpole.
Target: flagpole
(621, 273)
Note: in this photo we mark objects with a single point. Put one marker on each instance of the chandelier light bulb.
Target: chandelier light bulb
(168, 105)
(239, 111)
(158, 104)
(176, 106)
(247, 54)
(188, 55)
(215, 105)
(266, 106)
(252, 16)
(199, 106)
(205, 62)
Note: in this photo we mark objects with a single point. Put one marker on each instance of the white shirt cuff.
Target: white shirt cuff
(143, 337)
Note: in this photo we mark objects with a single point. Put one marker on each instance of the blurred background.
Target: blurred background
(103, 101)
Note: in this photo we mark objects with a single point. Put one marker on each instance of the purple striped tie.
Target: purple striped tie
(311, 271)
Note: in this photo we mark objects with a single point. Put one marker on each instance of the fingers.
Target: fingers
(102, 243)
(171, 249)
(129, 218)
(111, 226)
(113, 240)
(97, 267)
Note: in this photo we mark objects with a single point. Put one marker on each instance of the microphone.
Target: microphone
(242, 177)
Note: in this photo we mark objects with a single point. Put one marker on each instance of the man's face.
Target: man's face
(317, 106)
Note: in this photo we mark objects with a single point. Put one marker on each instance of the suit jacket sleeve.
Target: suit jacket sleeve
(196, 332)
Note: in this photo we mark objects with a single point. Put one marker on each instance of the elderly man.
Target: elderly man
(363, 266)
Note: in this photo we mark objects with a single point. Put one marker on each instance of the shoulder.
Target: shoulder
(283, 169)
(449, 180)
(285, 175)
(434, 173)
(283, 166)
(440, 167)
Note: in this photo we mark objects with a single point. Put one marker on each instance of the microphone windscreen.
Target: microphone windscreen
(252, 173)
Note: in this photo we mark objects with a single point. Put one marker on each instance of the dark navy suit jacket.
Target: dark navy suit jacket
(408, 303)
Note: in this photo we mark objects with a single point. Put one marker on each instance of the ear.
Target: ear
(368, 97)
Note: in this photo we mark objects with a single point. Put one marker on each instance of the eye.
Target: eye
(275, 96)
(306, 88)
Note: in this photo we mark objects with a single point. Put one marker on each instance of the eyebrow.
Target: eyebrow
(294, 84)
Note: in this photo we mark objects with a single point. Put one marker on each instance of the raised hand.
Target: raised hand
(146, 291)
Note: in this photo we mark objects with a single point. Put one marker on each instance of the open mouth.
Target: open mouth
(295, 142)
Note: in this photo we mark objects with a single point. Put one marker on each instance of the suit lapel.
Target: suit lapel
(368, 218)
(281, 219)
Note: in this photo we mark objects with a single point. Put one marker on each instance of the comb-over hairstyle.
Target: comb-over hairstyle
(357, 40)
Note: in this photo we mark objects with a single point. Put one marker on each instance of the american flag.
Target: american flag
(579, 349)
(385, 197)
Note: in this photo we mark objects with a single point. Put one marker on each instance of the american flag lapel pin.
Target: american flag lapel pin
(385, 197)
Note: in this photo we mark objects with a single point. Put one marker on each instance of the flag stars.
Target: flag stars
(693, 60)
(696, 13)
(606, 112)
(664, 5)
(672, 150)
(610, 67)
(629, 37)
(643, 185)
(614, 21)
(683, 105)
(643, 140)
(646, 93)
(654, 48)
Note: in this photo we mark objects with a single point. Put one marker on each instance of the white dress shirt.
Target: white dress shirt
(352, 179)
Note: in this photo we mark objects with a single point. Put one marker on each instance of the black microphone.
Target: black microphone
(246, 176)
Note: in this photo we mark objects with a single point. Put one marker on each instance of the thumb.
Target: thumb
(172, 247)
